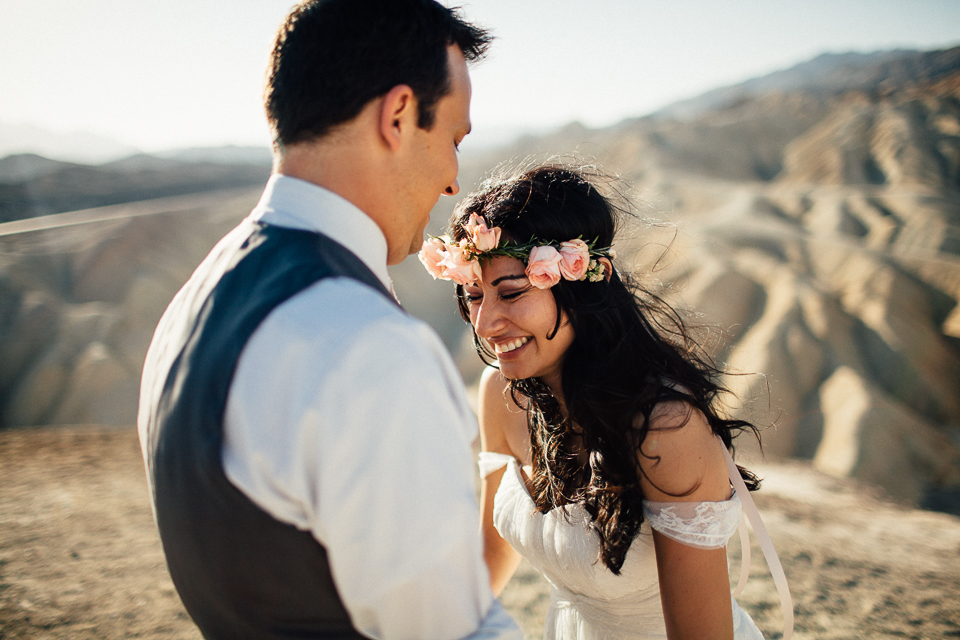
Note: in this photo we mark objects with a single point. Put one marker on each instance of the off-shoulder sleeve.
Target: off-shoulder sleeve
(704, 525)
(490, 461)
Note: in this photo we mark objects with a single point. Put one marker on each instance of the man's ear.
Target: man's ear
(398, 112)
(607, 268)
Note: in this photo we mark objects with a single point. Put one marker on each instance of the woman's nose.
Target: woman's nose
(487, 319)
(453, 189)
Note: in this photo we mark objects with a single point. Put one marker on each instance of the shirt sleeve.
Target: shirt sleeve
(357, 430)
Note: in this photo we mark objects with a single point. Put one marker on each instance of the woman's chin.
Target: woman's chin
(510, 370)
(505, 371)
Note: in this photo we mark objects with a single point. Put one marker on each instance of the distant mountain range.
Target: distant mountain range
(31, 185)
(78, 146)
(753, 131)
(828, 75)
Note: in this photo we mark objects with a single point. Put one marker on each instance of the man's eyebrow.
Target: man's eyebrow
(518, 276)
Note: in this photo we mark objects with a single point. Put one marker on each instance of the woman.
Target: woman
(601, 421)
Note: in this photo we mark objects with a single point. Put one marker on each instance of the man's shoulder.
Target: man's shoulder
(341, 332)
(342, 299)
(342, 309)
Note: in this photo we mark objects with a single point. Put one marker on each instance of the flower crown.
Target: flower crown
(547, 260)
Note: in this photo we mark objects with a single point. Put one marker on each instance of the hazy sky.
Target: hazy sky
(160, 74)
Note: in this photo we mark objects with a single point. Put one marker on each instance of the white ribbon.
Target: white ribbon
(766, 545)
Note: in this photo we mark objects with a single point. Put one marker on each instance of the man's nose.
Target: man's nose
(453, 189)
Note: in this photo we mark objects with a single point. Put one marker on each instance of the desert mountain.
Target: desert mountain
(31, 185)
(79, 301)
(829, 75)
(812, 232)
(74, 146)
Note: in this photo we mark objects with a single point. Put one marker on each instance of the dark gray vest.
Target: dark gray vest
(240, 572)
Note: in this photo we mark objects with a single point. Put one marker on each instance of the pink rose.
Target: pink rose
(543, 267)
(483, 239)
(574, 259)
(471, 226)
(457, 267)
(431, 253)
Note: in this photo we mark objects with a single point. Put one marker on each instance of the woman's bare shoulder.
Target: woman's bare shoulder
(494, 394)
(492, 382)
(681, 458)
(502, 421)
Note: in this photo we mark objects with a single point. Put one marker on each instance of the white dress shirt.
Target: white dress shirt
(346, 418)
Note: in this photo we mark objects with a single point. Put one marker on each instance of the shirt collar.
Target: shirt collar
(297, 204)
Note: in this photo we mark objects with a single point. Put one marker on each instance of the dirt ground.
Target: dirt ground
(80, 557)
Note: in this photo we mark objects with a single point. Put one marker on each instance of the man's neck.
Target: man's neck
(331, 166)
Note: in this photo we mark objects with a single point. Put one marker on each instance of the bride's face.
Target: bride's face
(515, 318)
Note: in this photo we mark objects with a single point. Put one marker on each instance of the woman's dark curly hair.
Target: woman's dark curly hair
(631, 351)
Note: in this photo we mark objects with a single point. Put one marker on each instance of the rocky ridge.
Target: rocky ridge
(79, 302)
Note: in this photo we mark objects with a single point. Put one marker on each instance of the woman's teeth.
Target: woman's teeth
(510, 346)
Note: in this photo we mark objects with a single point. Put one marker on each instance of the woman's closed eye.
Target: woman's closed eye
(507, 296)
(513, 295)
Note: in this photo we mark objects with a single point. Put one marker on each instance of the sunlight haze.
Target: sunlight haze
(179, 73)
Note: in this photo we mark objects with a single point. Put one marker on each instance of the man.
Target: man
(306, 442)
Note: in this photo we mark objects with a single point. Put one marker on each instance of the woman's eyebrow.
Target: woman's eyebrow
(517, 276)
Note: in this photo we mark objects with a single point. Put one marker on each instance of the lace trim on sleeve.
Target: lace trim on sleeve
(490, 461)
(704, 525)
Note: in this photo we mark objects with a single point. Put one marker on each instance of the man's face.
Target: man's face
(432, 159)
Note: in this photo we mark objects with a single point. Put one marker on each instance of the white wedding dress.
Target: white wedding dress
(587, 601)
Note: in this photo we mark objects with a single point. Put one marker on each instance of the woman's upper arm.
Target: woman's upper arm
(495, 417)
(682, 461)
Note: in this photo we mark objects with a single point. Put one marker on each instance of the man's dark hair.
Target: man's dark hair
(332, 57)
